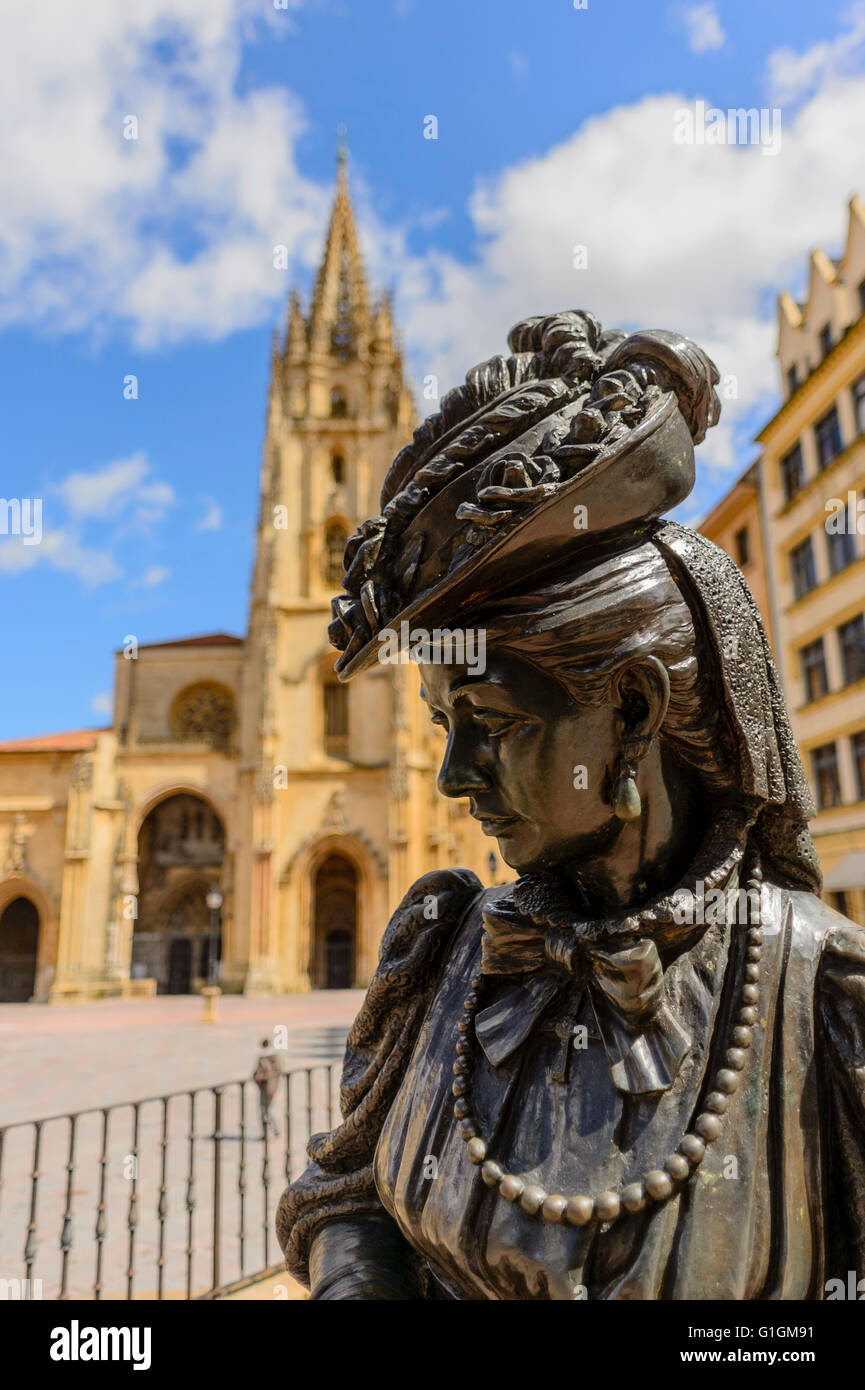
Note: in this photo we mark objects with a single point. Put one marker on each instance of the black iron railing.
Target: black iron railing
(169, 1197)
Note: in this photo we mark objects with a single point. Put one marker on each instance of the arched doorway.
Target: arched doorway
(335, 924)
(19, 944)
(181, 847)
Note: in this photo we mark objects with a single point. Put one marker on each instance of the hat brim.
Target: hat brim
(638, 479)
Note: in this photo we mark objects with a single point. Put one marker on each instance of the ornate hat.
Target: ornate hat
(578, 433)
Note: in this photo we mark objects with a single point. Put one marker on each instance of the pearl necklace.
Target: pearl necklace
(659, 1183)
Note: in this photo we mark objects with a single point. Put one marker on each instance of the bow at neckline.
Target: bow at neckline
(534, 931)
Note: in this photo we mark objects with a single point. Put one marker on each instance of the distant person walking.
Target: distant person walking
(266, 1077)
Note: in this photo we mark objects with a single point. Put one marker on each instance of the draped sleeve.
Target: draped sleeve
(333, 1230)
(841, 1003)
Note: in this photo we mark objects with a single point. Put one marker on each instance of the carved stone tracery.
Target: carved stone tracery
(205, 713)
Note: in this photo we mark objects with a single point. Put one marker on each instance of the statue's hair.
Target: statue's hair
(584, 627)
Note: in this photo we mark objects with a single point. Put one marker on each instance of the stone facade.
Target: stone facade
(241, 764)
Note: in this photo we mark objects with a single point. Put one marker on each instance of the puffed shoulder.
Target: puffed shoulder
(411, 946)
(841, 1064)
(842, 1002)
(339, 1182)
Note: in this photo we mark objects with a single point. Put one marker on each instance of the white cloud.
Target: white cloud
(61, 550)
(703, 28)
(212, 518)
(118, 497)
(88, 215)
(152, 577)
(697, 238)
(118, 487)
(101, 703)
(794, 75)
(694, 238)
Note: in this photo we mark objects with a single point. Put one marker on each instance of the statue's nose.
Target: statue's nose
(461, 772)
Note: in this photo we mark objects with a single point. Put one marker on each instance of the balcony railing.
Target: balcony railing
(169, 1197)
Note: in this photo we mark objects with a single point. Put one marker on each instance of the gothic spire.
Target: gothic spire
(340, 320)
(295, 329)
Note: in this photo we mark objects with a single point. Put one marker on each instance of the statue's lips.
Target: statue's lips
(494, 825)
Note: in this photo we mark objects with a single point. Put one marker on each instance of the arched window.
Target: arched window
(335, 718)
(334, 546)
(338, 404)
(337, 468)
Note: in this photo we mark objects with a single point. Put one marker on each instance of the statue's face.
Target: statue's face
(535, 767)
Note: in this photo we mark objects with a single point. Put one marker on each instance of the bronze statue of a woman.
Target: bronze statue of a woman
(638, 1070)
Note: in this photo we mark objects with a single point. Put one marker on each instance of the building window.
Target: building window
(742, 550)
(803, 568)
(814, 676)
(852, 638)
(337, 468)
(792, 378)
(826, 780)
(792, 472)
(203, 713)
(828, 432)
(335, 719)
(826, 339)
(841, 550)
(839, 902)
(858, 742)
(334, 549)
(338, 404)
(862, 297)
(859, 404)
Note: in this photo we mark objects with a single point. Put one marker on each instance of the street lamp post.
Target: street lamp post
(211, 990)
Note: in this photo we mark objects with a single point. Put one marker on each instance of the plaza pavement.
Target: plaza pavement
(56, 1060)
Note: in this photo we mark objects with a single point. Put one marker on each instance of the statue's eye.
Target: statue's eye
(496, 722)
(439, 719)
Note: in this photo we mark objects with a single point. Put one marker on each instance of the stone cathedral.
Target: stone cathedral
(237, 770)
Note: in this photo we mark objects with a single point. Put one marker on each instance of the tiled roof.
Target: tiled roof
(72, 742)
(208, 639)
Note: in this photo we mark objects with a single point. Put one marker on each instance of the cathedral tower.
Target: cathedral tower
(319, 765)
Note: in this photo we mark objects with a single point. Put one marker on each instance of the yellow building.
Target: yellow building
(811, 504)
(814, 477)
(239, 767)
(736, 525)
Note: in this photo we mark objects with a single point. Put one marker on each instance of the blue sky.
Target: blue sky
(154, 256)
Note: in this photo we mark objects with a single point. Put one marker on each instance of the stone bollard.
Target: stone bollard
(210, 994)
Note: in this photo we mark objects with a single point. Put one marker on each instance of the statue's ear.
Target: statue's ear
(640, 691)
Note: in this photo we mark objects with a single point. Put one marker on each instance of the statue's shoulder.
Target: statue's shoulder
(416, 938)
(820, 931)
(431, 909)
